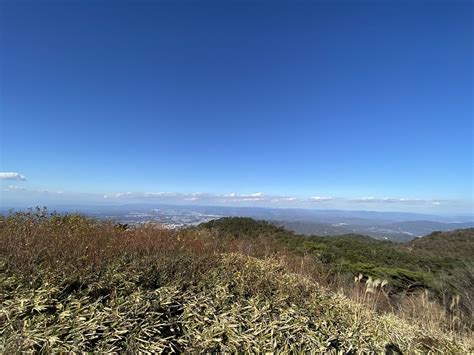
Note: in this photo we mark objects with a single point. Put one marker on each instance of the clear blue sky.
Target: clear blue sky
(340, 99)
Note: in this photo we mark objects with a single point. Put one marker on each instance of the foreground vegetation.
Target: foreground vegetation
(69, 283)
(441, 264)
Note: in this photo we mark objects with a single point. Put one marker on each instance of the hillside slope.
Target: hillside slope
(409, 268)
(68, 283)
(421, 261)
(458, 244)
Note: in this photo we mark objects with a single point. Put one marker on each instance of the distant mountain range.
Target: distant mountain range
(395, 226)
(397, 231)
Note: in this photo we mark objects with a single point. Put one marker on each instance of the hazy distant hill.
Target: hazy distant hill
(398, 231)
(421, 228)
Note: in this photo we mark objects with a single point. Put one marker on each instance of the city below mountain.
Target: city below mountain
(394, 226)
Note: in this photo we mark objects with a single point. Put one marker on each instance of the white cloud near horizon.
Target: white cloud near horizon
(321, 198)
(230, 198)
(257, 199)
(11, 176)
(14, 187)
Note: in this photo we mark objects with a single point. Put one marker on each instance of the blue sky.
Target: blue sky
(345, 101)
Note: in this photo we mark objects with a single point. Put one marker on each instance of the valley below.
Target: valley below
(398, 227)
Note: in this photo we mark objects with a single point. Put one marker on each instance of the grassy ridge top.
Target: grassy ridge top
(69, 283)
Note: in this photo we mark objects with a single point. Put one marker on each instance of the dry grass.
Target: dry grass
(68, 283)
